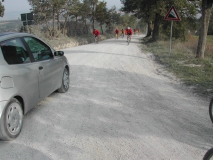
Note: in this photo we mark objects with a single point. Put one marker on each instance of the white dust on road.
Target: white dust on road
(118, 107)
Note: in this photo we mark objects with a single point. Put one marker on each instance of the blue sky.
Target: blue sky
(13, 8)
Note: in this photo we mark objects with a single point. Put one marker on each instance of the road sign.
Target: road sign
(26, 16)
(27, 19)
(28, 23)
(172, 15)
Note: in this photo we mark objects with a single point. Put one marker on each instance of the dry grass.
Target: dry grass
(194, 72)
(192, 42)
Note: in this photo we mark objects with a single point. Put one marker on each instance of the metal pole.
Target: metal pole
(170, 48)
(27, 24)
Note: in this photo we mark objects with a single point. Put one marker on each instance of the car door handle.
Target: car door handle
(40, 67)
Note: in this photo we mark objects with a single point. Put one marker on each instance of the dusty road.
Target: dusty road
(120, 106)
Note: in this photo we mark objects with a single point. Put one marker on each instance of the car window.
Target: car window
(39, 50)
(14, 51)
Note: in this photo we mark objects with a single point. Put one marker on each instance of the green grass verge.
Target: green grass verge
(182, 62)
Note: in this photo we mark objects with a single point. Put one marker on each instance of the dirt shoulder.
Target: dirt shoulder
(193, 73)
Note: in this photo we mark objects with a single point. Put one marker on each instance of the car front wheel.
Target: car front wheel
(12, 120)
(65, 82)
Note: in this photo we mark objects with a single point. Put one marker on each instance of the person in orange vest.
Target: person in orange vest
(122, 33)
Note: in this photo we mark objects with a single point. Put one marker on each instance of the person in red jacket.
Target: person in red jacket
(97, 34)
(116, 33)
(129, 33)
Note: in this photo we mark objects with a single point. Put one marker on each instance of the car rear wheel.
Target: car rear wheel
(65, 82)
(13, 119)
(211, 110)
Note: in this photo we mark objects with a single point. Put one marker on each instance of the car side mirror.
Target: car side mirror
(59, 53)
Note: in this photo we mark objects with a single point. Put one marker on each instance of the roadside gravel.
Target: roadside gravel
(121, 105)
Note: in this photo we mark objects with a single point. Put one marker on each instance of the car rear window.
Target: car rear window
(40, 51)
(14, 52)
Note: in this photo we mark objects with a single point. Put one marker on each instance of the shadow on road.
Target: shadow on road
(109, 105)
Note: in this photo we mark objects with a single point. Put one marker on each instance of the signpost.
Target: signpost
(27, 19)
(171, 16)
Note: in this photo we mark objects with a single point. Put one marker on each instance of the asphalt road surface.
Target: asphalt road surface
(121, 105)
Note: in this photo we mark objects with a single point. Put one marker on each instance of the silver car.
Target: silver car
(30, 70)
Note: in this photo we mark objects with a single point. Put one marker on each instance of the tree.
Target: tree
(153, 12)
(124, 20)
(112, 18)
(58, 9)
(1, 10)
(74, 11)
(206, 14)
(85, 9)
(41, 11)
(66, 13)
(187, 13)
(93, 4)
(101, 12)
(210, 29)
(142, 9)
(46, 10)
(115, 15)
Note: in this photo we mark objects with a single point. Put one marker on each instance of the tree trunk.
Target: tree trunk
(65, 23)
(155, 34)
(149, 29)
(86, 26)
(48, 28)
(53, 35)
(76, 22)
(93, 17)
(102, 30)
(58, 21)
(206, 14)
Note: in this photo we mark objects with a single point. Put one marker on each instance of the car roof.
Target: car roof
(8, 35)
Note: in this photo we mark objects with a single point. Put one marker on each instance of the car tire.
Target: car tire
(65, 82)
(211, 110)
(12, 120)
(208, 155)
